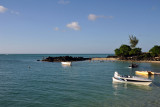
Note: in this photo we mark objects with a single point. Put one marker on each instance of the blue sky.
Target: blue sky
(77, 26)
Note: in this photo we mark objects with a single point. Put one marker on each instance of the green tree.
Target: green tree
(135, 52)
(124, 50)
(117, 52)
(155, 51)
(133, 41)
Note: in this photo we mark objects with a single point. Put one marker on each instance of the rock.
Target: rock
(64, 58)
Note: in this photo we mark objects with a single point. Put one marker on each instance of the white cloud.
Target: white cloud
(14, 12)
(93, 17)
(56, 28)
(74, 26)
(64, 2)
(2, 9)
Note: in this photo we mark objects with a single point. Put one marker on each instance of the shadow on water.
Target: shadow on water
(156, 84)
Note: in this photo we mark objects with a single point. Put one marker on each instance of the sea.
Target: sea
(26, 82)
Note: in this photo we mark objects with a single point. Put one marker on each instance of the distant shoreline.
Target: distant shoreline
(113, 59)
(117, 59)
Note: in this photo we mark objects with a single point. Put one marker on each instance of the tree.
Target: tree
(135, 52)
(124, 50)
(155, 51)
(133, 41)
(117, 52)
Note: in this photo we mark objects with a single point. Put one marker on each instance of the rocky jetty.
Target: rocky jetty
(64, 58)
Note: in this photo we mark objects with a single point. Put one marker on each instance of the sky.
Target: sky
(77, 26)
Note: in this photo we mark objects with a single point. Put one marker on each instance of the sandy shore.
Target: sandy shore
(141, 61)
(113, 59)
(116, 59)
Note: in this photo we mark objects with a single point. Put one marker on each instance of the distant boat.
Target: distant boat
(131, 79)
(146, 73)
(66, 63)
(133, 65)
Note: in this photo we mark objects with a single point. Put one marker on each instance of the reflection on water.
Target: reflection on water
(65, 66)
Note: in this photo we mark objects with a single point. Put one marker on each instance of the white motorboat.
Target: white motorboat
(67, 63)
(131, 79)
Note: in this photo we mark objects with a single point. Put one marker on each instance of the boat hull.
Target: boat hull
(142, 72)
(139, 82)
(146, 73)
(66, 63)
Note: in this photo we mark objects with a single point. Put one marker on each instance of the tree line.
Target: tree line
(131, 51)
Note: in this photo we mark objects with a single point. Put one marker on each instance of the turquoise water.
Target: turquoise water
(85, 84)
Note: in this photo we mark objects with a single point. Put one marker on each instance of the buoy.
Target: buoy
(29, 67)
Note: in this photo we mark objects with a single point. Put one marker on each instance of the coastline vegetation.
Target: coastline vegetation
(131, 52)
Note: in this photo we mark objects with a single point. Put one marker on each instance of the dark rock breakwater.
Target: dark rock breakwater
(64, 58)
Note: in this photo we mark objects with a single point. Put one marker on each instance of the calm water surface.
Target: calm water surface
(85, 84)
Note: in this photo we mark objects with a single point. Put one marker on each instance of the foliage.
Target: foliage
(155, 51)
(133, 41)
(135, 52)
(124, 50)
(117, 52)
(147, 56)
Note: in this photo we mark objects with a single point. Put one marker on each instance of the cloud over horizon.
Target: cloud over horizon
(93, 17)
(74, 26)
(2, 9)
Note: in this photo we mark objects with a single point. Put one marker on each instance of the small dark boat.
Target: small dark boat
(133, 66)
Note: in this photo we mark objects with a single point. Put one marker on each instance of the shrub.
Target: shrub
(135, 52)
(155, 51)
(117, 52)
(124, 50)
